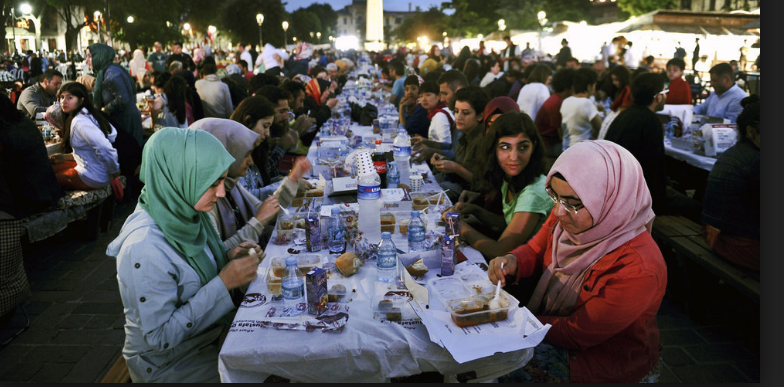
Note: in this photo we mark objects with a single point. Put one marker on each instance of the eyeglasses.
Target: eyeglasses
(568, 207)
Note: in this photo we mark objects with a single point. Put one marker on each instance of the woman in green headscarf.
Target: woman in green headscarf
(174, 273)
(114, 92)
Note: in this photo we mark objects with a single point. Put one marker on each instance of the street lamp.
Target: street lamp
(260, 20)
(130, 19)
(285, 25)
(501, 25)
(542, 17)
(318, 36)
(97, 16)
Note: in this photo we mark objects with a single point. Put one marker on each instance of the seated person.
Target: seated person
(731, 205)
(257, 114)
(175, 276)
(514, 160)
(680, 91)
(238, 216)
(724, 102)
(439, 133)
(411, 113)
(42, 94)
(282, 138)
(91, 161)
(579, 115)
(639, 130)
(602, 276)
(455, 175)
(548, 119)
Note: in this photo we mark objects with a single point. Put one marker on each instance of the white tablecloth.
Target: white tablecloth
(691, 158)
(366, 350)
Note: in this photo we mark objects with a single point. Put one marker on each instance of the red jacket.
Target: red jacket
(680, 93)
(612, 335)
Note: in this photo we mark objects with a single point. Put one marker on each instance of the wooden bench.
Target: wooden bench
(118, 373)
(681, 239)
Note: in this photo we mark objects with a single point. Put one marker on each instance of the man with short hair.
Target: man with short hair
(38, 97)
(397, 71)
(247, 74)
(178, 55)
(282, 138)
(639, 130)
(214, 94)
(511, 51)
(243, 54)
(724, 102)
(449, 83)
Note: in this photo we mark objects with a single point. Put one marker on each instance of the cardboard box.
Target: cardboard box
(316, 291)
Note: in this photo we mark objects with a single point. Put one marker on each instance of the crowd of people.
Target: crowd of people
(556, 167)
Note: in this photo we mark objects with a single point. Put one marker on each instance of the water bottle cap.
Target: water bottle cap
(386, 235)
(335, 211)
(291, 260)
(414, 213)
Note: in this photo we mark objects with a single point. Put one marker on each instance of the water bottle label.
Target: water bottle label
(386, 261)
(402, 150)
(291, 290)
(369, 192)
(416, 234)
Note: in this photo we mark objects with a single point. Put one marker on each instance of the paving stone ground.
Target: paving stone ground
(76, 321)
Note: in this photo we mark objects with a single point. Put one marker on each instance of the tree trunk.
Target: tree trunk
(71, 38)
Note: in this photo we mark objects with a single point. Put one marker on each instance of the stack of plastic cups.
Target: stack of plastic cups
(369, 198)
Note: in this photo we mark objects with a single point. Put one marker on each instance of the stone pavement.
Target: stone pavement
(76, 330)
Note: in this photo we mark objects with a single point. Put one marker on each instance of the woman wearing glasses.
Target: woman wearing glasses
(602, 275)
(514, 162)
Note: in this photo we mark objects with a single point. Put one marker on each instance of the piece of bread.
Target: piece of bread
(417, 268)
(348, 264)
(314, 193)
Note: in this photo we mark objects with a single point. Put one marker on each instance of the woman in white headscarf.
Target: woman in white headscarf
(138, 65)
(602, 275)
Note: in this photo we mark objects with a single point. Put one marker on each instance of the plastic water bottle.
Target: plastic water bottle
(416, 233)
(293, 286)
(402, 154)
(386, 260)
(369, 198)
(393, 175)
(337, 233)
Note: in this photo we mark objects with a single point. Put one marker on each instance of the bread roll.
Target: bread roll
(348, 264)
(417, 268)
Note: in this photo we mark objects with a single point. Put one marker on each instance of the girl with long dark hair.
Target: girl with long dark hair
(89, 160)
(515, 162)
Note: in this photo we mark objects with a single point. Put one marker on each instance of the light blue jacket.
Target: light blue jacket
(170, 330)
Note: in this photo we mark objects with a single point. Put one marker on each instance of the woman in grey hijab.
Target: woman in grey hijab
(239, 216)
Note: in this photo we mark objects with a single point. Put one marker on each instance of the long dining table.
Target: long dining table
(368, 348)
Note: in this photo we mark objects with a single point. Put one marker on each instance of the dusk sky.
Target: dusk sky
(389, 5)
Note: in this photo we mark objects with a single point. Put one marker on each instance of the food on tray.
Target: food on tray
(419, 203)
(476, 310)
(283, 238)
(388, 222)
(348, 264)
(417, 268)
(336, 293)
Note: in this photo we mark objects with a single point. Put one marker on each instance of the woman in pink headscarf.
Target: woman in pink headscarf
(602, 275)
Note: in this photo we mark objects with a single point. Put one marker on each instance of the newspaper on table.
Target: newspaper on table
(519, 331)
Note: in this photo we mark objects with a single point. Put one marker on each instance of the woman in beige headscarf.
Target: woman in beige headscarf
(87, 80)
(602, 275)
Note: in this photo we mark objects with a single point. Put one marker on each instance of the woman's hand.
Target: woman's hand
(417, 139)
(494, 271)
(465, 208)
(239, 271)
(244, 249)
(57, 158)
(444, 166)
(303, 185)
(300, 168)
(468, 196)
(269, 209)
